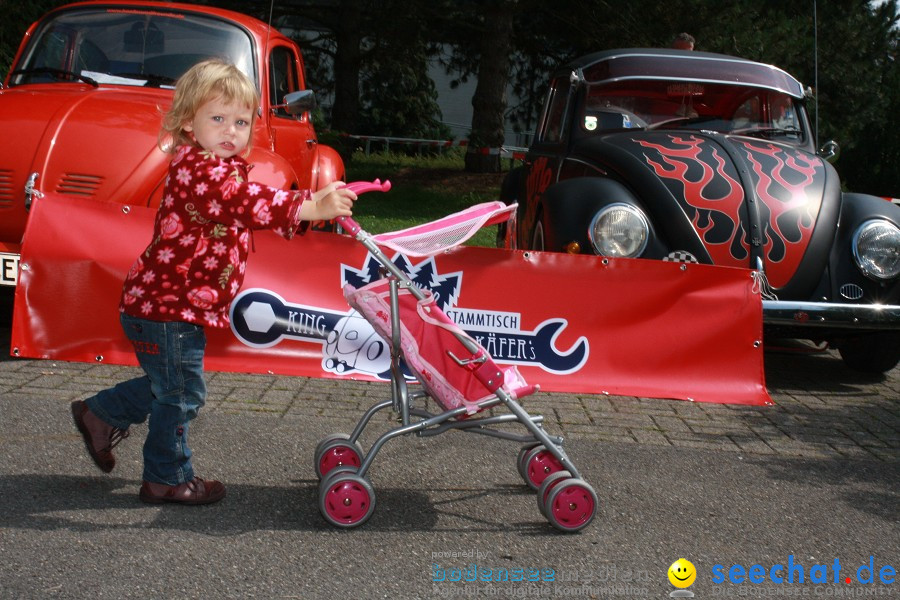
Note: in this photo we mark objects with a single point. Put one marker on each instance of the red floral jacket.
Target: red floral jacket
(194, 266)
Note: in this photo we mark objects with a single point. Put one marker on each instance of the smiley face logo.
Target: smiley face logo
(682, 573)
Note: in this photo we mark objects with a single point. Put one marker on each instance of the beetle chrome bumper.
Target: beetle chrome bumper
(832, 316)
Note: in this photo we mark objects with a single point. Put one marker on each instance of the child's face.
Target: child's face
(221, 127)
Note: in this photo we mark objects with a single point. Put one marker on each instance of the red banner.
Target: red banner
(571, 323)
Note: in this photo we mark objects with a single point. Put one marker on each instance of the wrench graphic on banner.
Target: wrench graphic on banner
(261, 318)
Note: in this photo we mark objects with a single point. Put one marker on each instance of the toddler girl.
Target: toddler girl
(187, 277)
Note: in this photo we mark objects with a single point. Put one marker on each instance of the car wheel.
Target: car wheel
(512, 191)
(537, 236)
(876, 353)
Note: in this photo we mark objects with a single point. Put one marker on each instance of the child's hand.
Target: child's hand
(333, 200)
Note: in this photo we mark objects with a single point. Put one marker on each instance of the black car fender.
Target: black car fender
(512, 188)
(569, 207)
(857, 209)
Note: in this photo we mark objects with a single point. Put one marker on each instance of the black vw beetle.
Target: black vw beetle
(699, 157)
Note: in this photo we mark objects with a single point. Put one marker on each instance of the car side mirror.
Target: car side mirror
(830, 151)
(297, 103)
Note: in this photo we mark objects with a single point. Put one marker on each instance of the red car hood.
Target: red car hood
(82, 141)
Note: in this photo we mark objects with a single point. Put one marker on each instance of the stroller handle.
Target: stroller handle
(361, 187)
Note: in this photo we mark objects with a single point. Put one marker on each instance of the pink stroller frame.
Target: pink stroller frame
(452, 368)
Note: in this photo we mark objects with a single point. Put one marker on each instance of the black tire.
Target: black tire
(538, 238)
(7, 295)
(874, 353)
(512, 191)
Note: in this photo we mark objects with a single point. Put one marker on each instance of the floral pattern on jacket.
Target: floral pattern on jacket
(195, 264)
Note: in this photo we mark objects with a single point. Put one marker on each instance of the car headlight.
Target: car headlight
(876, 249)
(620, 231)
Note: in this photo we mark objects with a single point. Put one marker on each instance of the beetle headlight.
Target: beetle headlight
(876, 249)
(619, 230)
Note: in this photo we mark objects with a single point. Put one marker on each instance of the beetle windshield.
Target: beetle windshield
(129, 47)
(658, 104)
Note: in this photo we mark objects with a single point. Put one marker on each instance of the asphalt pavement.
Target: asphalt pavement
(796, 499)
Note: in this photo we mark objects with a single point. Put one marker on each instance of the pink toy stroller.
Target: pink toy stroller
(453, 370)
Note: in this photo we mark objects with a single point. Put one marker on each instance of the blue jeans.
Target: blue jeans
(171, 393)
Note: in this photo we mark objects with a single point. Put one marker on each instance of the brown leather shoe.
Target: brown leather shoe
(99, 437)
(196, 491)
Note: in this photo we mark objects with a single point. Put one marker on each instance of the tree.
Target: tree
(373, 55)
(17, 17)
(398, 97)
(858, 91)
(489, 100)
(347, 63)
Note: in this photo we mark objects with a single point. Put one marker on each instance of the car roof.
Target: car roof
(679, 65)
(252, 24)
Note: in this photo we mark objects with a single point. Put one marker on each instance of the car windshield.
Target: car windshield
(654, 104)
(129, 47)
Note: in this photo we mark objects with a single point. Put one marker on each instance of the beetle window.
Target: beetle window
(555, 111)
(784, 115)
(748, 114)
(131, 47)
(52, 49)
(282, 77)
(708, 106)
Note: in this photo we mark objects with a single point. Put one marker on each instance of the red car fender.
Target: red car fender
(272, 169)
(328, 166)
(269, 168)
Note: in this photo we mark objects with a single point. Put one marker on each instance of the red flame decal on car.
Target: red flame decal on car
(784, 180)
(717, 196)
(785, 183)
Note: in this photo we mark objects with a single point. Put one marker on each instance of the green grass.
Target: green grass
(423, 189)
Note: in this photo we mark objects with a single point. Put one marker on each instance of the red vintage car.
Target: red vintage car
(80, 109)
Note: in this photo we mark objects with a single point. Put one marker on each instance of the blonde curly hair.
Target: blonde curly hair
(205, 81)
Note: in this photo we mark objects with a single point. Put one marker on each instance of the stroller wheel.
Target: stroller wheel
(571, 505)
(520, 458)
(346, 499)
(548, 484)
(336, 450)
(538, 464)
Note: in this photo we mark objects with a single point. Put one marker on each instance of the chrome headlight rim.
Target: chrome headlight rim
(867, 262)
(630, 209)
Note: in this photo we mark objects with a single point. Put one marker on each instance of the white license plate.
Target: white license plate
(9, 268)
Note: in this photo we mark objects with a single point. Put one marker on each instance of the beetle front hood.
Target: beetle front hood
(80, 140)
(744, 198)
(84, 142)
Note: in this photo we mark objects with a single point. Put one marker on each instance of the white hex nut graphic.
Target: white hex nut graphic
(259, 317)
